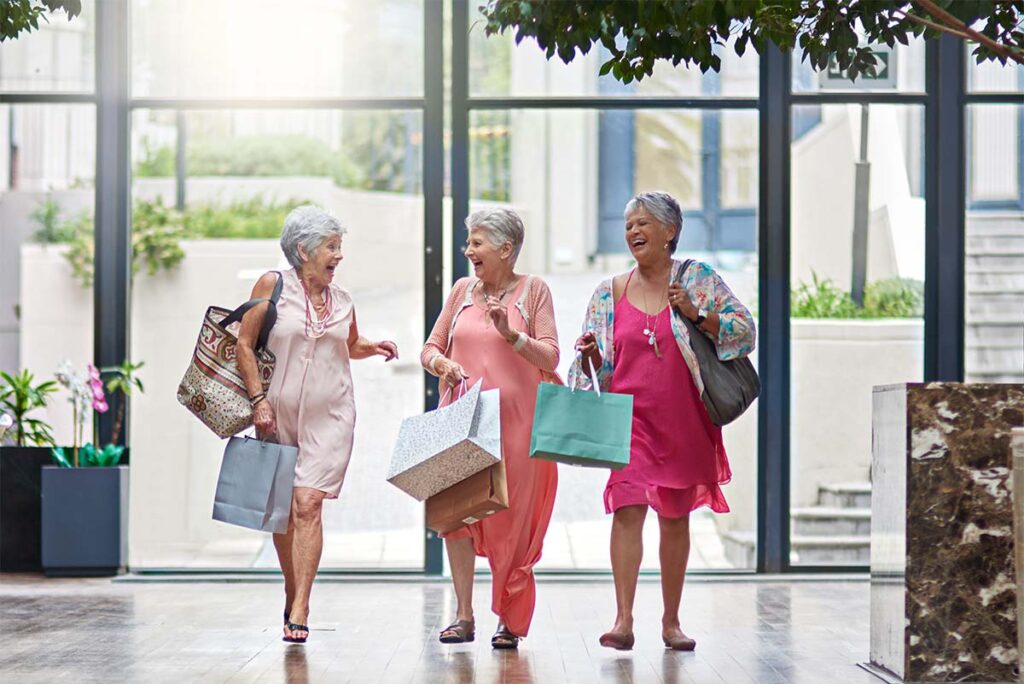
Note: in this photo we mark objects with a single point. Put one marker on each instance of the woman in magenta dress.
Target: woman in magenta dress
(499, 326)
(638, 347)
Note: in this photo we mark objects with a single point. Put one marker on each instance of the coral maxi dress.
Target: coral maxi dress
(510, 540)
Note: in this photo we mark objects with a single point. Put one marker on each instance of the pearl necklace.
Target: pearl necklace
(316, 320)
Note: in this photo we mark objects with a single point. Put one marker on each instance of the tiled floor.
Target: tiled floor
(764, 632)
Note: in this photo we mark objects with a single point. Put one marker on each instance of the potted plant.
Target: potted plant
(85, 495)
(22, 456)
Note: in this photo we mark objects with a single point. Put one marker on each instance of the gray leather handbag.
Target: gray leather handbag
(729, 386)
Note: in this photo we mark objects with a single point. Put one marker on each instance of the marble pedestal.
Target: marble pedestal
(943, 590)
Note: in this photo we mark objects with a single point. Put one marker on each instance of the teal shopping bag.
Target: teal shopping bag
(583, 428)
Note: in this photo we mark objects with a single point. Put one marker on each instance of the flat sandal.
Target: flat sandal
(464, 632)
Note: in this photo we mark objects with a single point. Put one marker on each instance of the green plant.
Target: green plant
(89, 456)
(155, 163)
(52, 230)
(250, 219)
(889, 298)
(123, 381)
(637, 34)
(23, 15)
(19, 396)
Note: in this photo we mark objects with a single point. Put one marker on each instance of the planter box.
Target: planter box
(84, 521)
(20, 469)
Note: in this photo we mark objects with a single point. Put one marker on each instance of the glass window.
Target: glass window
(569, 173)
(245, 171)
(47, 157)
(994, 331)
(500, 68)
(58, 57)
(902, 70)
(853, 173)
(993, 77)
(239, 48)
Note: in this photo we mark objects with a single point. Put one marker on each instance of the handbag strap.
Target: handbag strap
(268, 320)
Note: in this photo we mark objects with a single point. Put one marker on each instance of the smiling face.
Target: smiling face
(323, 262)
(647, 237)
(490, 263)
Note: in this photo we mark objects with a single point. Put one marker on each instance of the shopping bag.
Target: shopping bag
(254, 489)
(464, 503)
(591, 429)
(441, 447)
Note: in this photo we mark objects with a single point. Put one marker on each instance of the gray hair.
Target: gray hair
(661, 206)
(501, 225)
(307, 227)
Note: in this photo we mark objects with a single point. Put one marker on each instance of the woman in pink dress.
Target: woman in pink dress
(637, 346)
(499, 326)
(310, 403)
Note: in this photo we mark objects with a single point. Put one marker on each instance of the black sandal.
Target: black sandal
(292, 627)
(459, 632)
(504, 639)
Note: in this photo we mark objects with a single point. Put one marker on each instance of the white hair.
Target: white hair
(661, 206)
(307, 227)
(501, 225)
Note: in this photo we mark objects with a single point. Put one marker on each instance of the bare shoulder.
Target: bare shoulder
(264, 287)
(619, 285)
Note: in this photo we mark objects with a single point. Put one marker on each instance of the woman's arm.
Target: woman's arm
(542, 349)
(248, 333)
(432, 357)
(361, 348)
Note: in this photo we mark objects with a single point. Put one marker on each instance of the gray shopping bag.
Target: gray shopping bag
(254, 489)
(440, 448)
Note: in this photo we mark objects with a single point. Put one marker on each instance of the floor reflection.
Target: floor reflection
(296, 669)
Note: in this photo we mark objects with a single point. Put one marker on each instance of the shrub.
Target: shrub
(255, 218)
(52, 230)
(890, 298)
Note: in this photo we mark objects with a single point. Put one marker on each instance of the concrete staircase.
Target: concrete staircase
(995, 297)
(835, 531)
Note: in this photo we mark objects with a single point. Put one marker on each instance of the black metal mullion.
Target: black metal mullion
(341, 103)
(112, 227)
(945, 207)
(48, 98)
(609, 102)
(460, 134)
(773, 417)
(433, 215)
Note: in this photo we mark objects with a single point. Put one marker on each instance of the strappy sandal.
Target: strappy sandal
(683, 643)
(459, 632)
(618, 641)
(292, 627)
(504, 639)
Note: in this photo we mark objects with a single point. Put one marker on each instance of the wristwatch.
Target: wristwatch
(702, 315)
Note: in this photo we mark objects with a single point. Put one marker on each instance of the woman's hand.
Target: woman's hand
(498, 314)
(587, 345)
(264, 420)
(681, 302)
(449, 371)
(387, 349)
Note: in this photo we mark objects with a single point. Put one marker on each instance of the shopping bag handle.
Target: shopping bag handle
(462, 387)
(593, 375)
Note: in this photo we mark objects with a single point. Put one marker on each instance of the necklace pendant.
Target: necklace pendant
(651, 340)
(647, 332)
(657, 352)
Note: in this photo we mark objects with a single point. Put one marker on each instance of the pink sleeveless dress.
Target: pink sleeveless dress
(311, 390)
(677, 461)
(512, 539)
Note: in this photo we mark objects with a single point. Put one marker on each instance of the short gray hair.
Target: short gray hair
(661, 206)
(307, 227)
(501, 225)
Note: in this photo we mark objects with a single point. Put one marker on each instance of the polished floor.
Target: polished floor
(747, 631)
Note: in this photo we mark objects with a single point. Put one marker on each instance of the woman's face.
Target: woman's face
(646, 236)
(324, 260)
(487, 260)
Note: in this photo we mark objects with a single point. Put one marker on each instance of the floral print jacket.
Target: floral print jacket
(736, 334)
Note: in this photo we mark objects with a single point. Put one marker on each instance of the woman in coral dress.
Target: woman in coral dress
(639, 345)
(499, 326)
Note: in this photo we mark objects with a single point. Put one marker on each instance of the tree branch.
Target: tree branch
(932, 25)
(956, 27)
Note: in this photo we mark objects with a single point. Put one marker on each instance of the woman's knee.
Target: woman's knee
(306, 507)
(630, 517)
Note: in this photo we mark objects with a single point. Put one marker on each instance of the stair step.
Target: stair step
(831, 522)
(822, 550)
(845, 495)
(740, 549)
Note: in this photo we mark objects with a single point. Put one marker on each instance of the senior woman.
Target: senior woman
(310, 403)
(677, 460)
(499, 326)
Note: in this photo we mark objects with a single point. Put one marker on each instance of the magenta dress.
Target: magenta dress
(677, 461)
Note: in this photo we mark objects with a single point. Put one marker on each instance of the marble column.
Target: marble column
(943, 590)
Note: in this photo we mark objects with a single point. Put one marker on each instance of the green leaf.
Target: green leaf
(57, 454)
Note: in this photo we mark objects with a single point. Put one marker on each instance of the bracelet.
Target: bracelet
(518, 342)
(433, 362)
(257, 399)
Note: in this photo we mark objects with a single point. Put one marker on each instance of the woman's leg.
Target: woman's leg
(307, 545)
(462, 559)
(627, 550)
(283, 546)
(675, 553)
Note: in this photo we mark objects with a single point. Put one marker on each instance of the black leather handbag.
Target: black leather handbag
(730, 387)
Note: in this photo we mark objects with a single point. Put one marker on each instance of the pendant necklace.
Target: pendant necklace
(651, 331)
(316, 320)
(500, 298)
